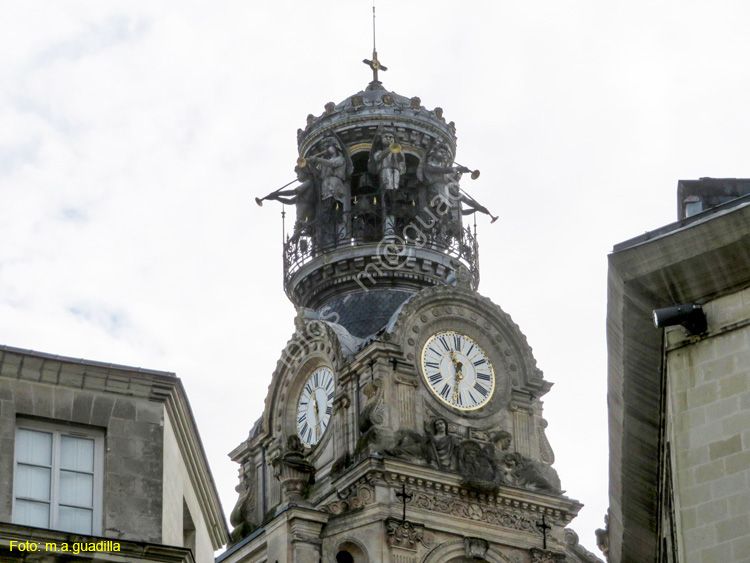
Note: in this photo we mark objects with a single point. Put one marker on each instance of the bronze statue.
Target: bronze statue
(435, 170)
(303, 196)
(334, 169)
(441, 177)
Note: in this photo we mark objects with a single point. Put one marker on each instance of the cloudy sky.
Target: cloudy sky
(135, 135)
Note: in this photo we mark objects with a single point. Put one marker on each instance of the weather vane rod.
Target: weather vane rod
(374, 64)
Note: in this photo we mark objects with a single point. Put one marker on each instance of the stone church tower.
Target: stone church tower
(403, 422)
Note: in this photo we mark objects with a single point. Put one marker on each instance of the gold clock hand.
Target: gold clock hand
(459, 378)
(315, 411)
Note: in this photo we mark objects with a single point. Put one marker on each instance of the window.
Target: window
(58, 477)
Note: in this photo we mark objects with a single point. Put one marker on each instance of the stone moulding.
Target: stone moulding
(449, 497)
(460, 501)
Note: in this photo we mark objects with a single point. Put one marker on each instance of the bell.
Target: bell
(355, 200)
(413, 204)
(375, 199)
(337, 206)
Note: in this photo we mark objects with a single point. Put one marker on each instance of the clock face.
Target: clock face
(457, 370)
(315, 405)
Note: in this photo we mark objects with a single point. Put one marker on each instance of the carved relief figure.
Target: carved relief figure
(475, 463)
(518, 471)
(441, 447)
(371, 417)
(409, 445)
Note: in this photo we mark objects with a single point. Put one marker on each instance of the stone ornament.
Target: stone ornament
(484, 466)
(357, 497)
(602, 537)
(293, 471)
(542, 556)
(476, 548)
(241, 517)
(450, 505)
(406, 535)
(372, 416)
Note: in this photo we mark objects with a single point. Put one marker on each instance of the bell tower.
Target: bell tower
(403, 422)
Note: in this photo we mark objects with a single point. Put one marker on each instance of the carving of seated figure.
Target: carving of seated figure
(516, 470)
(441, 447)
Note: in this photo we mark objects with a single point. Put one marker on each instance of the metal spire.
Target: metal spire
(374, 64)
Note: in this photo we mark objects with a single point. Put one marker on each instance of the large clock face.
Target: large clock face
(457, 370)
(315, 405)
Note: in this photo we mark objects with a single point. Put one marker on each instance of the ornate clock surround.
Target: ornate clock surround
(518, 380)
(299, 378)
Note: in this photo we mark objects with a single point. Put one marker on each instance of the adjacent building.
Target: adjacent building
(101, 462)
(679, 396)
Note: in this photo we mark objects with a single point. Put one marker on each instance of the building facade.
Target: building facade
(101, 462)
(403, 422)
(679, 395)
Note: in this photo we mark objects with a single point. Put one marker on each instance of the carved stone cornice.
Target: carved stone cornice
(512, 518)
(444, 493)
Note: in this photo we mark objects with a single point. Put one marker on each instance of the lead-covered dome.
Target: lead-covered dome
(356, 120)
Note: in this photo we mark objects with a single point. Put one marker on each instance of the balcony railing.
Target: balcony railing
(338, 230)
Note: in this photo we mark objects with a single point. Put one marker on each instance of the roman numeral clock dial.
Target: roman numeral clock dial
(315, 406)
(457, 370)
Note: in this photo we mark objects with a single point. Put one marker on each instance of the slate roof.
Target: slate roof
(363, 314)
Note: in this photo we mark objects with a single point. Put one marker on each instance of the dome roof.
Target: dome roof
(356, 119)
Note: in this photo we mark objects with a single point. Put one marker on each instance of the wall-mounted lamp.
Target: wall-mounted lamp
(691, 317)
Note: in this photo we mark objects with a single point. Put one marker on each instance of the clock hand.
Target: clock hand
(459, 378)
(315, 411)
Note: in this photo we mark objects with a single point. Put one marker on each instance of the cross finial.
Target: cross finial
(374, 64)
(405, 497)
(544, 527)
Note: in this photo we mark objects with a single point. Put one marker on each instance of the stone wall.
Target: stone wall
(708, 394)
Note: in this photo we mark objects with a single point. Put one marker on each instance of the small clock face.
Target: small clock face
(315, 405)
(457, 370)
